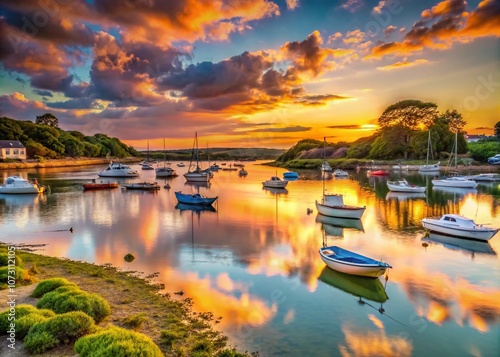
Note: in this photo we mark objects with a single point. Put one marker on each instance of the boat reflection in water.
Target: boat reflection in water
(403, 196)
(275, 191)
(21, 200)
(460, 191)
(455, 243)
(361, 287)
(334, 226)
(195, 208)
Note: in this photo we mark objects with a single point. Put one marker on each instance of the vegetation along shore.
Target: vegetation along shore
(63, 307)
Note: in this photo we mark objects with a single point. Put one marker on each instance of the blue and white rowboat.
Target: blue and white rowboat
(194, 199)
(352, 263)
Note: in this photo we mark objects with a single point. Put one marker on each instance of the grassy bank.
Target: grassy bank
(136, 304)
(28, 164)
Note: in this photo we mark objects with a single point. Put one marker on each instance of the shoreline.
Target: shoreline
(131, 296)
(68, 162)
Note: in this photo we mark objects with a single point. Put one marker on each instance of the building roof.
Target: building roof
(7, 144)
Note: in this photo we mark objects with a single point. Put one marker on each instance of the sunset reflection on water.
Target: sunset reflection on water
(254, 261)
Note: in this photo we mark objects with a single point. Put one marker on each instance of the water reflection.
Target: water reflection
(455, 243)
(254, 258)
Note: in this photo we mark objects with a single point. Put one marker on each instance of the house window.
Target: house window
(16, 152)
(21, 152)
(7, 152)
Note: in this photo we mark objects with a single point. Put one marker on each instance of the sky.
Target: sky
(245, 73)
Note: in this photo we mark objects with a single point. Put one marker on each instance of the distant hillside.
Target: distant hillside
(45, 141)
(220, 154)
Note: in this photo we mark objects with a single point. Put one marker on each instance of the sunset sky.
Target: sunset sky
(245, 73)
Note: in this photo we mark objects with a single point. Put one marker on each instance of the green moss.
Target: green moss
(49, 285)
(24, 324)
(20, 311)
(68, 298)
(116, 342)
(64, 328)
(4, 260)
(135, 321)
(21, 276)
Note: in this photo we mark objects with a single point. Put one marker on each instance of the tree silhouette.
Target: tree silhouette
(497, 130)
(47, 119)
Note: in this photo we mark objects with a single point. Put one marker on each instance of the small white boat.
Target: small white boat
(429, 168)
(147, 166)
(144, 186)
(180, 164)
(275, 182)
(19, 185)
(486, 177)
(455, 181)
(165, 172)
(118, 170)
(352, 263)
(333, 205)
(325, 166)
(340, 173)
(459, 226)
(403, 186)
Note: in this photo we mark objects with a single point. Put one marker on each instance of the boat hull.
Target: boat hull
(194, 199)
(352, 263)
(21, 190)
(142, 186)
(340, 211)
(405, 188)
(455, 183)
(435, 225)
(197, 177)
(100, 185)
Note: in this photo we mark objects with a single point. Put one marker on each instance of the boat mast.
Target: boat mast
(197, 158)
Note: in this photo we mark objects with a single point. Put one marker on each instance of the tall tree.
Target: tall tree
(47, 119)
(497, 130)
(408, 116)
(454, 120)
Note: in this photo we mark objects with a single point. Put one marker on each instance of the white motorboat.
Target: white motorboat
(340, 173)
(165, 172)
(489, 177)
(275, 182)
(19, 185)
(118, 170)
(352, 263)
(455, 181)
(459, 226)
(332, 205)
(325, 166)
(403, 186)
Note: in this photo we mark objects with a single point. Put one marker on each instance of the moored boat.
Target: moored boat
(455, 181)
(459, 226)
(333, 205)
(352, 263)
(340, 173)
(403, 186)
(144, 186)
(19, 185)
(99, 185)
(118, 170)
(194, 199)
(290, 175)
(275, 182)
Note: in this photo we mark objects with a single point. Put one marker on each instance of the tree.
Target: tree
(47, 119)
(454, 120)
(497, 130)
(406, 117)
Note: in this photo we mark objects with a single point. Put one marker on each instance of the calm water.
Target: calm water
(255, 262)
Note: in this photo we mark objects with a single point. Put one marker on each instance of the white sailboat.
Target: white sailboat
(166, 170)
(455, 181)
(429, 167)
(196, 174)
(332, 205)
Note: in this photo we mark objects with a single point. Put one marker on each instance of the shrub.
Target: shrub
(116, 342)
(20, 310)
(58, 329)
(49, 285)
(4, 260)
(24, 323)
(69, 298)
(135, 321)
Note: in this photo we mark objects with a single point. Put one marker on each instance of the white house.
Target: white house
(12, 149)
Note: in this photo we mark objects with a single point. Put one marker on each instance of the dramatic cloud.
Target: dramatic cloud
(444, 24)
(403, 64)
(290, 129)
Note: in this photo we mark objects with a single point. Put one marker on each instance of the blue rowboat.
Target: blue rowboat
(194, 199)
(352, 263)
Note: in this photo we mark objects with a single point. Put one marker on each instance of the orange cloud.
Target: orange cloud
(403, 64)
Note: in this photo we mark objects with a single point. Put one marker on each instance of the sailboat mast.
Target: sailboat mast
(196, 143)
(456, 148)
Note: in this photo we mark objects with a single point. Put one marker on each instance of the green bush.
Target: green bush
(59, 329)
(116, 342)
(20, 311)
(4, 260)
(68, 298)
(49, 285)
(24, 323)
